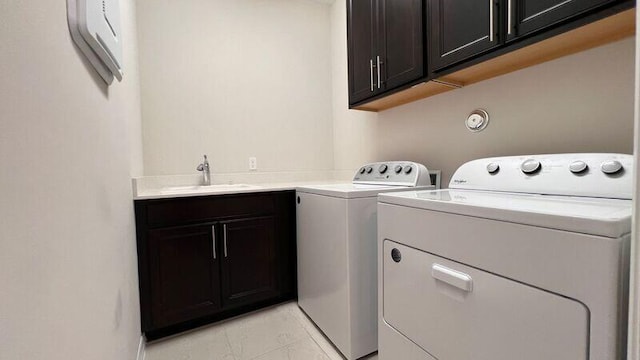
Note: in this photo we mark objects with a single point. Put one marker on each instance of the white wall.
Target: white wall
(68, 148)
(579, 103)
(234, 79)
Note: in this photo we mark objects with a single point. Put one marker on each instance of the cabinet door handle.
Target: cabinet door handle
(379, 62)
(224, 238)
(509, 23)
(371, 67)
(491, 20)
(213, 239)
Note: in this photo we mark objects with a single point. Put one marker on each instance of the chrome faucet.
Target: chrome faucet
(206, 173)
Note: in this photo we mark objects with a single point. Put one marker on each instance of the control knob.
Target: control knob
(611, 167)
(363, 170)
(493, 168)
(407, 169)
(398, 169)
(369, 169)
(383, 168)
(530, 166)
(577, 167)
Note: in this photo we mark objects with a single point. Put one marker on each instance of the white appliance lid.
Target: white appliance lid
(354, 191)
(603, 217)
(374, 178)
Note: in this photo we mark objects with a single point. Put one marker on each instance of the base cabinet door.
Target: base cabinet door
(461, 29)
(185, 276)
(249, 269)
(528, 16)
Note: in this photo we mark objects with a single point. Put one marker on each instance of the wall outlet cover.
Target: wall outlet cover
(253, 163)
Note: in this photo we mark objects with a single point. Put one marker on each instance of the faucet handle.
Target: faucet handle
(204, 166)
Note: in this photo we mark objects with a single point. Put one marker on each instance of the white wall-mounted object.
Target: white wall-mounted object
(477, 120)
(95, 28)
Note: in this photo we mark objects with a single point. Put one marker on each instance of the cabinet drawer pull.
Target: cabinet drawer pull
(509, 21)
(224, 238)
(213, 239)
(371, 67)
(491, 20)
(452, 277)
(379, 78)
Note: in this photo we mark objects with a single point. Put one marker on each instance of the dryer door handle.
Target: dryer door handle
(452, 277)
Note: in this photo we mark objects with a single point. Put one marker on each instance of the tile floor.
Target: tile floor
(282, 332)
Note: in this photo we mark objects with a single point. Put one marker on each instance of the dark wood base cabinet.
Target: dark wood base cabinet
(203, 259)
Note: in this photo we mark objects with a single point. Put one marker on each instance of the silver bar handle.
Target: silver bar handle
(509, 23)
(379, 77)
(224, 238)
(371, 67)
(491, 20)
(213, 239)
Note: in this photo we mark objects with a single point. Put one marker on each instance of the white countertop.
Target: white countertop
(223, 189)
(178, 186)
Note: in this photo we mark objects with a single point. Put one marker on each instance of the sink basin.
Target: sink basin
(207, 188)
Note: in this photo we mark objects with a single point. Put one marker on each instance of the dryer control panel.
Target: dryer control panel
(400, 173)
(590, 174)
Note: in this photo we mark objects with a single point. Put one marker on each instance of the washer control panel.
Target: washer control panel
(401, 173)
(589, 174)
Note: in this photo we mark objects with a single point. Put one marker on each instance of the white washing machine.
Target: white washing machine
(337, 251)
(521, 258)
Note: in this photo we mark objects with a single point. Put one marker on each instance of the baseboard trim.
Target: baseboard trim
(141, 348)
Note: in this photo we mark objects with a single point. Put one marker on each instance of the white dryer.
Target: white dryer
(521, 258)
(337, 251)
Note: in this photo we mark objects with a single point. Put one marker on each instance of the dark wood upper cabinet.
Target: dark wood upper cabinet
(402, 39)
(185, 277)
(249, 268)
(528, 16)
(460, 29)
(361, 27)
(385, 41)
(404, 50)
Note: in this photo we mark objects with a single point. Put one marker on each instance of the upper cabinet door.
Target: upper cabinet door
(185, 277)
(460, 29)
(527, 16)
(401, 58)
(249, 268)
(361, 29)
